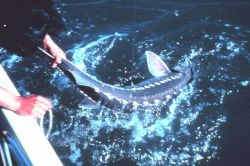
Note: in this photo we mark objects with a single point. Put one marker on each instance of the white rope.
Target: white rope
(50, 125)
(41, 122)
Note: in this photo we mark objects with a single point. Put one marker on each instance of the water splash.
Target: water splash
(93, 52)
(150, 137)
(11, 61)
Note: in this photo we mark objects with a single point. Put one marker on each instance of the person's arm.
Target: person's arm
(54, 49)
(31, 105)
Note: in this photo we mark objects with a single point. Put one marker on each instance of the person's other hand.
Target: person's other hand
(54, 49)
(33, 105)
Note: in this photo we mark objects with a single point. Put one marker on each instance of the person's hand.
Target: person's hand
(33, 105)
(54, 49)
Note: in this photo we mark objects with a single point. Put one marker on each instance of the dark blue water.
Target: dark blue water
(208, 123)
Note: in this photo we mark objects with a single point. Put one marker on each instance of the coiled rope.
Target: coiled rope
(50, 125)
(41, 122)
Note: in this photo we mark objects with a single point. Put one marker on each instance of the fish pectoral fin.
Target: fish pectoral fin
(156, 66)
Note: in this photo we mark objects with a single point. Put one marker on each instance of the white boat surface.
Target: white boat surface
(27, 131)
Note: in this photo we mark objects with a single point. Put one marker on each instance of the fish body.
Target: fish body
(153, 91)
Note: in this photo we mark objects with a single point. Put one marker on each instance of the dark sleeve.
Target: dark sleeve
(24, 23)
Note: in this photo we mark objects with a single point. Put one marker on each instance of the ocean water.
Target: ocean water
(208, 123)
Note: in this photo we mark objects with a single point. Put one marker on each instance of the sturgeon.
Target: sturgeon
(162, 86)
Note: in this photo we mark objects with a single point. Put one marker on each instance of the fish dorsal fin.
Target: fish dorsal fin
(156, 66)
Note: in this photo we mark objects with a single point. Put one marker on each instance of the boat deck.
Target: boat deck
(27, 131)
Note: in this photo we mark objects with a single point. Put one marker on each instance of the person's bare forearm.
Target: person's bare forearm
(32, 105)
(8, 100)
(54, 49)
